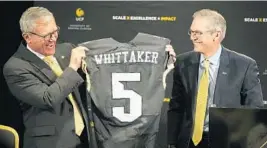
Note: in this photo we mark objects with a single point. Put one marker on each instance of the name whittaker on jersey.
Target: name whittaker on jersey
(127, 57)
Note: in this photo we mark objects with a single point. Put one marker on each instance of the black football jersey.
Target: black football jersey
(127, 89)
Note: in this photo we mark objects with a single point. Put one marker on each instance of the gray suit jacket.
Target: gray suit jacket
(47, 113)
(237, 85)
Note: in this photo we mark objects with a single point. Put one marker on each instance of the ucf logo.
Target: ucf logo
(79, 14)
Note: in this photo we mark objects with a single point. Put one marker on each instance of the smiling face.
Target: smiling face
(44, 35)
(203, 35)
(207, 31)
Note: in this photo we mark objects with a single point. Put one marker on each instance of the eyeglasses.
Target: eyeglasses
(198, 33)
(48, 36)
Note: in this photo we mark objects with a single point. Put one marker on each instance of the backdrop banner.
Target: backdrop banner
(84, 21)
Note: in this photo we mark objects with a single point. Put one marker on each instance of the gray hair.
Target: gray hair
(217, 20)
(28, 18)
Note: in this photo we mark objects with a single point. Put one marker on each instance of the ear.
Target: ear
(26, 38)
(217, 35)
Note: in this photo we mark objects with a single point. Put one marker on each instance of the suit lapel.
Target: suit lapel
(63, 60)
(222, 76)
(80, 104)
(192, 73)
(38, 63)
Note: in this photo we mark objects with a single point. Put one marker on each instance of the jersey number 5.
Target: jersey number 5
(118, 92)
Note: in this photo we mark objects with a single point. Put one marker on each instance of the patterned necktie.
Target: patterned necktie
(79, 124)
(201, 104)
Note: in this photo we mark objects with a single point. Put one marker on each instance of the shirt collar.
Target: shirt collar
(36, 53)
(215, 59)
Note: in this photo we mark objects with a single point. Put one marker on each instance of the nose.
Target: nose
(193, 37)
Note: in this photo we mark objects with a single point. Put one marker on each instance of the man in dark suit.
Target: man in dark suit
(209, 76)
(44, 79)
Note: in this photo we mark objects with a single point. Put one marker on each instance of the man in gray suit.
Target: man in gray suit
(47, 90)
(211, 75)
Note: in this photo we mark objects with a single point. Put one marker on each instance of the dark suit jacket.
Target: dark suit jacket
(47, 113)
(237, 84)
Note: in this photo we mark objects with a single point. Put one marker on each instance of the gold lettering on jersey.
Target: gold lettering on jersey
(127, 57)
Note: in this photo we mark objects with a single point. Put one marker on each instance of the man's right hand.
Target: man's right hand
(77, 54)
